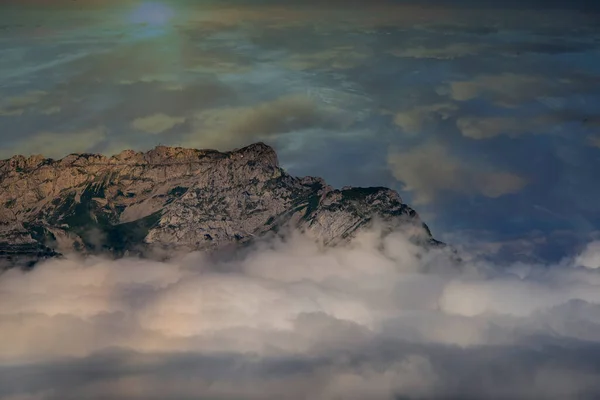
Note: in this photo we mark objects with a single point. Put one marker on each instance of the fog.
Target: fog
(286, 319)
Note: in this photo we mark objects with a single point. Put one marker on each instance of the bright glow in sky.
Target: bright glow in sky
(152, 13)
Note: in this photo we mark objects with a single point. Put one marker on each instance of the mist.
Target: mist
(287, 319)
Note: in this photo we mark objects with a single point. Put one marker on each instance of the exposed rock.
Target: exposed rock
(172, 197)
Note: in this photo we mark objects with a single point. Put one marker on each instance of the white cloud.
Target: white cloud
(375, 319)
(590, 258)
(430, 170)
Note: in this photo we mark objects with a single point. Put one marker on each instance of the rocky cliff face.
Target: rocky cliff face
(172, 197)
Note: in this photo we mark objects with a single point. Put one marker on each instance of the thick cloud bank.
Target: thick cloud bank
(288, 320)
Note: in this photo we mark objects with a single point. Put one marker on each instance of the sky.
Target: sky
(484, 115)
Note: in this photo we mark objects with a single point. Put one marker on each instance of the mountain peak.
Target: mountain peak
(173, 197)
(259, 152)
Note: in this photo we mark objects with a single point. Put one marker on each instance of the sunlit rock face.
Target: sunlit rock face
(177, 198)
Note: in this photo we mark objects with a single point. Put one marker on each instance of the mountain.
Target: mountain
(177, 198)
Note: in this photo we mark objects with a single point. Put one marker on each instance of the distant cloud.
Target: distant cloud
(341, 57)
(505, 89)
(489, 127)
(55, 144)
(511, 49)
(151, 78)
(217, 66)
(511, 90)
(484, 127)
(11, 112)
(223, 128)
(413, 121)
(450, 51)
(157, 123)
(16, 105)
(594, 141)
(416, 120)
(26, 99)
(430, 170)
(51, 110)
(174, 87)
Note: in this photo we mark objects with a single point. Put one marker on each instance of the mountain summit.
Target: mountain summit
(178, 198)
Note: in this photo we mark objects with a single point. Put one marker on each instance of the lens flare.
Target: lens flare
(151, 13)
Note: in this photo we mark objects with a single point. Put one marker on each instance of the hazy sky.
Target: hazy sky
(485, 120)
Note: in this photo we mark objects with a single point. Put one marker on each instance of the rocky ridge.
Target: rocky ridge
(177, 198)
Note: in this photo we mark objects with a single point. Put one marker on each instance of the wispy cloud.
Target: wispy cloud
(490, 127)
(157, 123)
(340, 57)
(56, 144)
(506, 89)
(26, 99)
(51, 110)
(594, 141)
(515, 89)
(227, 127)
(414, 120)
(448, 52)
(17, 105)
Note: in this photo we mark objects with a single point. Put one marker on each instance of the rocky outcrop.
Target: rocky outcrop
(172, 197)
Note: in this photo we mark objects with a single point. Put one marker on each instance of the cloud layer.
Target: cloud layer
(286, 319)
